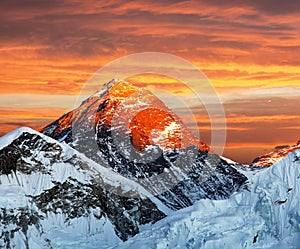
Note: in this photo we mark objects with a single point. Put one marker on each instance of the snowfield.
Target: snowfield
(266, 216)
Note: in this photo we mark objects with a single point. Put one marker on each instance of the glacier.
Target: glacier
(267, 215)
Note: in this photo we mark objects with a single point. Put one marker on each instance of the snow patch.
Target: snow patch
(12, 196)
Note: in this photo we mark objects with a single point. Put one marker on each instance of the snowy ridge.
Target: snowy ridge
(266, 216)
(9, 137)
(228, 160)
(107, 174)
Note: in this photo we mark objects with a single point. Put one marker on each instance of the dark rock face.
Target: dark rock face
(74, 197)
(207, 175)
(12, 157)
(60, 128)
(77, 199)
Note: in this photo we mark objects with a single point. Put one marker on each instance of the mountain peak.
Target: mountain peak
(131, 131)
(149, 121)
(122, 89)
(9, 137)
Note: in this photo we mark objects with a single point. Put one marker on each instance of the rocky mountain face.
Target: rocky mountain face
(129, 130)
(47, 188)
(276, 155)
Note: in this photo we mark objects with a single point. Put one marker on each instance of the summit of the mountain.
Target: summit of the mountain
(154, 123)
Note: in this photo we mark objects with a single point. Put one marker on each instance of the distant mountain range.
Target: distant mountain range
(276, 155)
(105, 172)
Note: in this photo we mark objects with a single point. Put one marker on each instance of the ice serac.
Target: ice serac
(52, 196)
(140, 138)
(276, 155)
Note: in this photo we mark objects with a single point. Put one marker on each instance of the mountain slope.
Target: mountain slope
(265, 216)
(53, 196)
(131, 131)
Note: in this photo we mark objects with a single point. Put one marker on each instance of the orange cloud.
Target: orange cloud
(12, 118)
(31, 113)
(53, 47)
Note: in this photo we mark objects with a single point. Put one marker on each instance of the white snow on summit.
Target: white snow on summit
(9, 137)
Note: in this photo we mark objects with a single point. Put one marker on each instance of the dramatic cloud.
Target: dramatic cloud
(248, 49)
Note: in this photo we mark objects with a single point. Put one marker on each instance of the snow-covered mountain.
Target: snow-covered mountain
(182, 171)
(274, 156)
(122, 171)
(52, 196)
(267, 215)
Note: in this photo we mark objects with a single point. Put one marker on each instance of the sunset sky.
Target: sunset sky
(249, 50)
